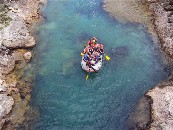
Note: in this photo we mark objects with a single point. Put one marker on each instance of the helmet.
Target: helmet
(94, 41)
(94, 38)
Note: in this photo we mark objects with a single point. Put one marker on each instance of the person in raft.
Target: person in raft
(90, 46)
(87, 57)
(92, 41)
(92, 52)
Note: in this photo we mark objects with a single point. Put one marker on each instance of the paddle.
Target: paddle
(107, 57)
(87, 76)
(82, 54)
(93, 69)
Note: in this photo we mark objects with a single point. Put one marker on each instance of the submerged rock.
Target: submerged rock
(120, 52)
(140, 118)
(128, 10)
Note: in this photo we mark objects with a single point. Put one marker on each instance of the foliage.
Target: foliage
(4, 18)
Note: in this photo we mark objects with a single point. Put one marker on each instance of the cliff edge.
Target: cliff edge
(17, 18)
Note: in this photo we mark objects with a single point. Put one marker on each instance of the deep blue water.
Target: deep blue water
(65, 100)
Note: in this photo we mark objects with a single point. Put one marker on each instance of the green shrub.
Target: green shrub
(4, 18)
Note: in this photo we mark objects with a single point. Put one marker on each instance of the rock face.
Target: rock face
(161, 22)
(17, 34)
(6, 103)
(128, 10)
(162, 106)
(14, 37)
(162, 94)
(163, 13)
(7, 64)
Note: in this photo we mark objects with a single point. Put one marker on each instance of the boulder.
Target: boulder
(163, 23)
(6, 103)
(28, 56)
(7, 64)
(16, 35)
(162, 113)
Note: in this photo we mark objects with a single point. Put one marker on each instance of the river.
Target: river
(65, 100)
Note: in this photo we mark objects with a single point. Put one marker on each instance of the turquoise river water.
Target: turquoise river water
(65, 100)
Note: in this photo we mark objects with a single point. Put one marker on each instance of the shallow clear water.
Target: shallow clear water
(66, 101)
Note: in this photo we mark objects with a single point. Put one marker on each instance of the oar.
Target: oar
(94, 69)
(87, 76)
(82, 54)
(107, 57)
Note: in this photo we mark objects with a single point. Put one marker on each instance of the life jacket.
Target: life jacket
(88, 63)
(86, 50)
(101, 50)
(100, 46)
(90, 50)
(90, 42)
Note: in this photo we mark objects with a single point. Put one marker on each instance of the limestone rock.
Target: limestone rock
(7, 64)
(3, 86)
(162, 107)
(6, 103)
(2, 121)
(16, 35)
(22, 14)
(152, 0)
(163, 22)
(28, 56)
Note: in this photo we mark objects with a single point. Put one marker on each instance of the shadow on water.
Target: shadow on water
(119, 52)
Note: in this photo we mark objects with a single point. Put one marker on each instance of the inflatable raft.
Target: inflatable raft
(94, 67)
(92, 58)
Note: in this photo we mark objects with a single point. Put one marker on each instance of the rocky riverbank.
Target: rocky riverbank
(162, 94)
(158, 16)
(16, 42)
